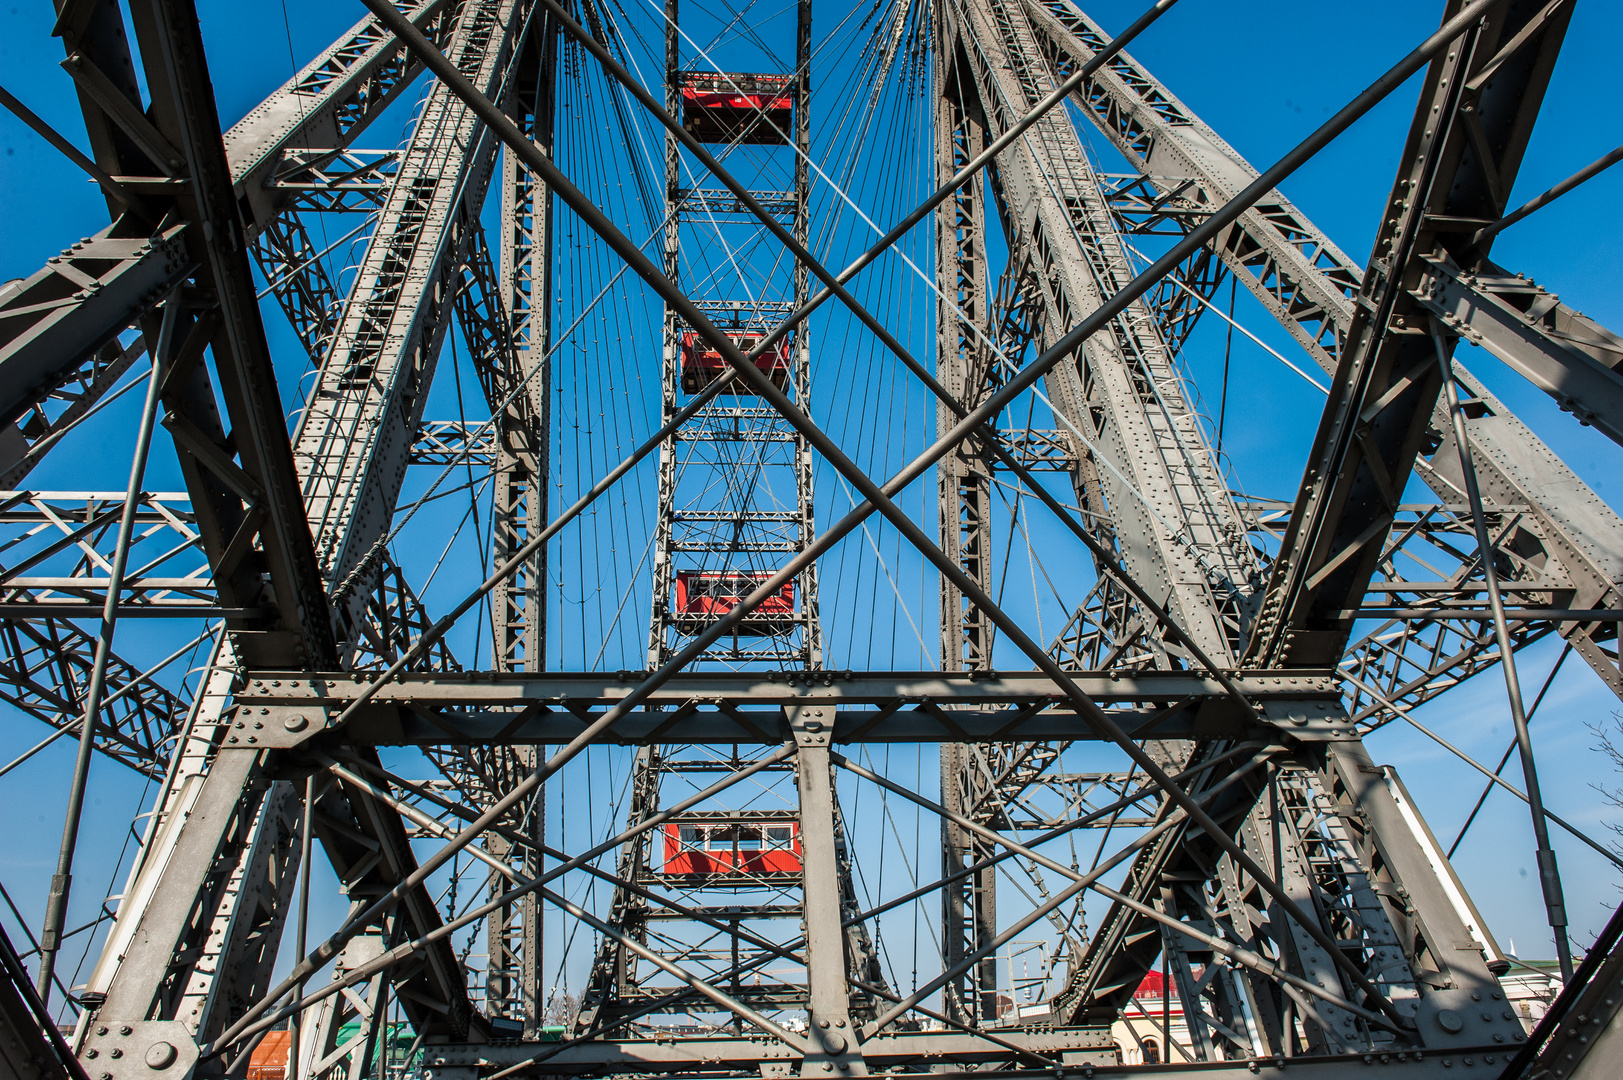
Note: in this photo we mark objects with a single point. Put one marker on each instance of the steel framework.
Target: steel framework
(1224, 656)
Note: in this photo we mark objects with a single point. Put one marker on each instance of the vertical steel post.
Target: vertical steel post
(520, 499)
(964, 494)
(56, 904)
(518, 606)
(828, 1014)
(1549, 875)
(664, 579)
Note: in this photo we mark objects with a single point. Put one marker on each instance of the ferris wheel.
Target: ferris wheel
(715, 540)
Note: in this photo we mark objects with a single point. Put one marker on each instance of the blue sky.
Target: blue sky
(1262, 73)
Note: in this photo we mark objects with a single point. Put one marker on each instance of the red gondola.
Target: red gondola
(740, 108)
(701, 849)
(700, 592)
(703, 365)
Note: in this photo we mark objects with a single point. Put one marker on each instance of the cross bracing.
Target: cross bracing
(612, 401)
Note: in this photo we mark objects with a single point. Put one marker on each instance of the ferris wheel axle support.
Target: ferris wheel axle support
(878, 498)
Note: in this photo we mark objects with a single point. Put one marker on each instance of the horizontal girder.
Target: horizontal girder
(286, 709)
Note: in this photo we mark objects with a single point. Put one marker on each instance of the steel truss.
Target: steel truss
(1288, 886)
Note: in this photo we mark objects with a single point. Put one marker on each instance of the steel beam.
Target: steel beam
(889, 1050)
(828, 969)
(327, 104)
(506, 324)
(354, 438)
(750, 708)
(257, 492)
(1387, 382)
(592, 689)
(1570, 357)
(55, 321)
(1151, 473)
(964, 505)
